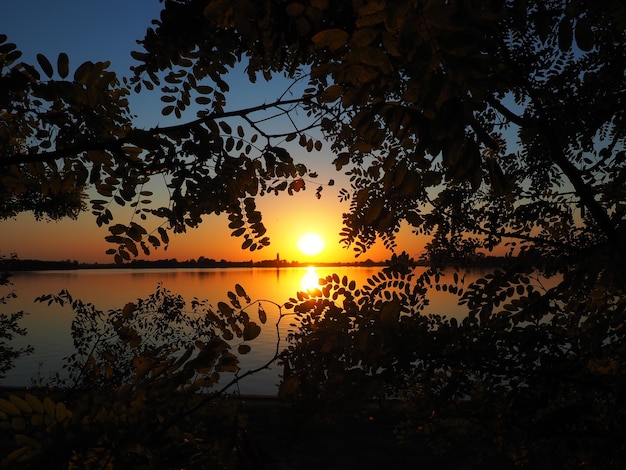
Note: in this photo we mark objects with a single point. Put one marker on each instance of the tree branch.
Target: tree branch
(583, 190)
(115, 144)
(226, 114)
(559, 158)
(58, 154)
(507, 113)
(516, 236)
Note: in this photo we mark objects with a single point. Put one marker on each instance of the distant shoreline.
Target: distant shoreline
(21, 265)
(18, 265)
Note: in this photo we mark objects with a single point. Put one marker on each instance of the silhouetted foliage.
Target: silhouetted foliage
(9, 324)
(483, 125)
(147, 387)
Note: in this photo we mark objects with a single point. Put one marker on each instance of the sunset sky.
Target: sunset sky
(99, 31)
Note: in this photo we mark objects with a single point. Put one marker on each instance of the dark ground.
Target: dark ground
(279, 438)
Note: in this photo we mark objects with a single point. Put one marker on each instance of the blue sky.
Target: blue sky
(91, 30)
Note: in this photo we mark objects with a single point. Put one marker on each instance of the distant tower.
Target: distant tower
(278, 257)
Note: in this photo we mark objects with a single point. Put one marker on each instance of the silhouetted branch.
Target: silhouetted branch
(115, 145)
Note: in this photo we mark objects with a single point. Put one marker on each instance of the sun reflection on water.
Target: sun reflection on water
(310, 280)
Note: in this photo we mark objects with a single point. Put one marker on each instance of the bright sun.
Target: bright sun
(311, 244)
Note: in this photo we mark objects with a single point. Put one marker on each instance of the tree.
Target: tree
(484, 125)
(9, 325)
(62, 136)
(415, 95)
(143, 388)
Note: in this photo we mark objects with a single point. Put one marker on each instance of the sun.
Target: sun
(311, 244)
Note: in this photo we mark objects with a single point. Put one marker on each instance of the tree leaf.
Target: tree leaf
(332, 38)
(584, 35)
(143, 365)
(240, 291)
(81, 75)
(565, 34)
(225, 309)
(45, 65)
(251, 331)
(295, 9)
(9, 408)
(63, 65)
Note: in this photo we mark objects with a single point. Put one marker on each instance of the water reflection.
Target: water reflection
(49, 328)
(310, 280)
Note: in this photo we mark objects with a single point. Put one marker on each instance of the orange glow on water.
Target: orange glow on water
(310, 279)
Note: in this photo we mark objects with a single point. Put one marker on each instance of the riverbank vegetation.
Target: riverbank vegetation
(15, 265)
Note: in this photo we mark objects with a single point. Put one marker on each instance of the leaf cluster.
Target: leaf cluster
(68, 138)
(485, 123)
(528, 368)
(9, 323)
(143, 389)
(156, 338)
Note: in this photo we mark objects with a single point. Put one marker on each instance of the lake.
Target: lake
(49, 326)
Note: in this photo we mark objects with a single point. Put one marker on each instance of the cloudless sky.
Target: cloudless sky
(108, 30)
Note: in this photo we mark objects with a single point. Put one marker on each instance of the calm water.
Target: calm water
(49, 327)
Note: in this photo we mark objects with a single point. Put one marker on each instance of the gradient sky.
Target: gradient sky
(98, 31)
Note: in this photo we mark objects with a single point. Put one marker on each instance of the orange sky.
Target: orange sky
(286, 218)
